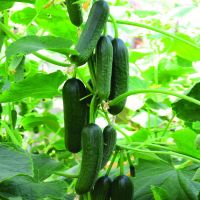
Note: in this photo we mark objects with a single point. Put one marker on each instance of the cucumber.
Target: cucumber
(2, 34)
(122, 188)
(104, 58)
(92, 145)
(14, 118)
(74, 113)
(91, 32)
(132, 170)
(1, 110)
(75, 12)
(120, 74)
(109, 137)
(101, 189)
(23, 108)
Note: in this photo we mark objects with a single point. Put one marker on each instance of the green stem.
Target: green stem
(122, 132)
(88, 195)
(67, 175)
(159, 91)
(125, 22)
(111, 163)
(41, 56)
(169, 123)
(129, 159)
(121, 163)
(161, 152)
(106, 116)
(115, 26)
(92, 109)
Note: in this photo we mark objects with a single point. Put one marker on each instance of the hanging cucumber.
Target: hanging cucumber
(102, 189)
(74, 113)
(75, 12)
(91, 32)
(122, 188)
(132, 170)
(14, 118)
(104, 59)
(92, 152)
(120, 74)
(109, 137)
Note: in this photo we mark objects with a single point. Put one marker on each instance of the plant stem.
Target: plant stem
(129, 159)
(126, 22)
(162, 152)
(67, 175)
(112, 162)
(115, 26)
(41, 56)
(159, 91)
(122, 132)
(169, 123)
(121, 163)
(92, 109)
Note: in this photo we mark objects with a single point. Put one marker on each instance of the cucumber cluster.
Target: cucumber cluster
(108, 63)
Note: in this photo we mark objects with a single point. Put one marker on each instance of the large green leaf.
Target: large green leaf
(25, 1)
(4, 4)
(165, 176)
(25, 187)
(44, 167)
(33, 120)
(186, 110)
(185, 141)
(24, 16)
(14, 161)
(30, 44)
(182, 49)
(37, 86)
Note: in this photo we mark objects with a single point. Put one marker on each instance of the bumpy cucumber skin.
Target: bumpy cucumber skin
(122, 188)
(91, 32)
(120, 74)
(74, 113)
(109, 137)
(102, 189)
(104, 59)
(92, 152)
(75, 12)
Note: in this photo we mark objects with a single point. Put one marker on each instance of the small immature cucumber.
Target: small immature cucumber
(132, 170)
(92, 145)
(104, 59)
(91, 32)
(102, 189)
(75, 12)
(109, 137)
(14, 118)
(74, 113)
(122, 188)
(120, 74)
(2, 34)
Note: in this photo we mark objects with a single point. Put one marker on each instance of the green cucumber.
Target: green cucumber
(120, 74)
(132, 170)
(101, 189)
(23, 108)
(74, 113)
(2, 34)
(92, 153)
(109, 137)
(75, 12)
(104, 59)
(122, 188)
(1, 110)
(14, 118)
(91, 32)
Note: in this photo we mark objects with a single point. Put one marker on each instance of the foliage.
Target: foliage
(158, 129)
